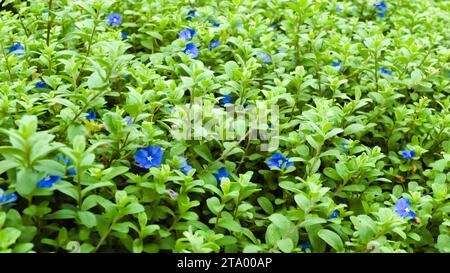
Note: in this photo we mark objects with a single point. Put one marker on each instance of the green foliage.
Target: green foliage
(344, 127)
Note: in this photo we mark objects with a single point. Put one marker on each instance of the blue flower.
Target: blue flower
(129, 120)
(279, 161)
(213, 44)
(226, 99)
(47, 181)
(402, 208)
(344, 147)
(191, 15)
(381, 14)
(334, 214)
(7, 198)
(408, 154)
(149, 157)
(71, 170)
(184, 166)
(306, 245)
(338, 9)
(186, 34)
(91, 115)
(337, 64)
(221, 173)
(63, 158)
(41, 85)
(123, 35)
(385, 71)
(273, 27)
(191, 50)
(265, 58)
(17, 47)
(381, 6)
(114, 19)
(214, 22)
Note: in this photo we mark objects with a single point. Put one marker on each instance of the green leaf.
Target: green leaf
(443, 243)
(27, 180)
(214, 205)
(112, 172)
(62, 214)
(332, 173)
(313, 142)
(7, 164)
(133, 208)
(342, 171)
(353, 129)
(8, 236)
(87, 218)
(230, 224)
(137, 245)
(122, 227)
(302, 201)
(366, 228)
(96, 186)
(355, 188)
(333, 132)
(312, 221)
(50, 167)
(203, 151)
(332, 239)
(280, 221)
(265, 204)
(149, 230)
(112, 122)
(67, 188)
(285, 245)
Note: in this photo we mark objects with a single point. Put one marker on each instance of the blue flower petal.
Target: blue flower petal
(264, 57)
(17, 47)
(191, 50)
(48, 181)
(186, 34)
(91, 115)
(114, 19)
(402, 208)
(221, 173)
(213, 44)
(149, 157)
(279, 161)
(226, 99)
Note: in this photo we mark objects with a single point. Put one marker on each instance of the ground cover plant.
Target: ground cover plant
(89, 92)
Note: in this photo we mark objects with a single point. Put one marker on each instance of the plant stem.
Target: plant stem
(88, 52)
(119, 149)
(376, 72)
(23, 26)
(297, 40)
(79, 187)
(103, 238)
(63, 130)
(6, 61)
(49, 21)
